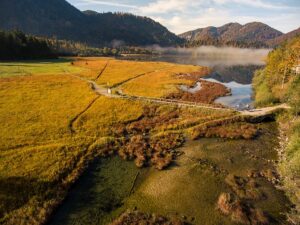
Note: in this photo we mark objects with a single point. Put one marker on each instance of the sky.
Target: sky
(183, 15)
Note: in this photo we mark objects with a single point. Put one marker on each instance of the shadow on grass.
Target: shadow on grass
(17, 191)
(24, 62)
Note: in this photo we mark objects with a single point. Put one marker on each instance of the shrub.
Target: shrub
(139, 218)
(240, 212)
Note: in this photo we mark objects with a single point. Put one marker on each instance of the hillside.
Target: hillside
(253, 34)
(277, 41)
(274, 83)
(279, 82)
(58, 18)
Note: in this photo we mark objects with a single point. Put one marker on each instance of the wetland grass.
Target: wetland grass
(41, 155)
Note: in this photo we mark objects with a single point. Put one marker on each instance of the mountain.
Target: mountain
(279, 40)
(130, 29)
(253, 34)
(58, 18)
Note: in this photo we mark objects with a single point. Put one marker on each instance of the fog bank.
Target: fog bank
(215, 56)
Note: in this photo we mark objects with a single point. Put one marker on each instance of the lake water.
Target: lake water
(233, 67)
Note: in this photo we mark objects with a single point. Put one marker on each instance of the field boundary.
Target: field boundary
(102, 71)
(72, 121)
(139, 75)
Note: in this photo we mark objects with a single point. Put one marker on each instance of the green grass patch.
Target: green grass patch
(25, 68)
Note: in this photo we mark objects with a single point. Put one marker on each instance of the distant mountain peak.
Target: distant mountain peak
(278, 40)
(250, 34)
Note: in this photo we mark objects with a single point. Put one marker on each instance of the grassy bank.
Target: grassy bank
(279, 83)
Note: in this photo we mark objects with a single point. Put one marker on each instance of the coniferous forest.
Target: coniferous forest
(17, 45)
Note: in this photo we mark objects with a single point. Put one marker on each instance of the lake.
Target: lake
(233, 67)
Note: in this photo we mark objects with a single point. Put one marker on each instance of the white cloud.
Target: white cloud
(183, 23)
(95, 2)
(252, 3)
(166, 6)
(183, 15)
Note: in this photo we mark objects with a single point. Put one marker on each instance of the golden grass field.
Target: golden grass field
(53, 125)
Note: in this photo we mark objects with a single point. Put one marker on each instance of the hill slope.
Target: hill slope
(277, 41)
(251, 34)
(60, 19)
(278, 82)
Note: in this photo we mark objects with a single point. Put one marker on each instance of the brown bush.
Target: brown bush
(235, 130)
(240, 212)
(136, 150)
(158, 151)
(230, 205)
(166, 142)
(161, 161)
(208, 93)
(139, 218)
(152, 118)
(163, 147)
(245, 188)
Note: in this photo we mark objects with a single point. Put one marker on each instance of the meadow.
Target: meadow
(53, 126)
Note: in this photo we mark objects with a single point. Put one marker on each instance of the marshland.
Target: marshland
(157, 112)
(86, 158)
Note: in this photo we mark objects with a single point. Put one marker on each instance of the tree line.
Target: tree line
(16, 45)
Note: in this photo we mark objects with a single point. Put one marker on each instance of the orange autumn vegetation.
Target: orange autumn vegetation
(208, 93)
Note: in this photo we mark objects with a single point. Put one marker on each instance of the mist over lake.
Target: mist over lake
(212, 56)
(233, 67)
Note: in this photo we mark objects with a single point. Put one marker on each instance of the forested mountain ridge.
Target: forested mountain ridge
(130, 29)
(253, 34)
(285, 37)
(58, 18)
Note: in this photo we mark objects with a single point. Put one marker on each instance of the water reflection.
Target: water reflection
(233, 67)
(239, 74)
(241, 95)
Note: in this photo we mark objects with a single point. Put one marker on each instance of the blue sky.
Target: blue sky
(184, 15)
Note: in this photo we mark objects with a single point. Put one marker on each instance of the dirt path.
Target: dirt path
(100, 90)
(102, 71)
(72, 121)
(139, 75)
(264, 111)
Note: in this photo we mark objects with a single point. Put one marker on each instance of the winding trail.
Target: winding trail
(264, 111)
(72, 121)
(102, 71)
(139, 75)
(100, 90)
